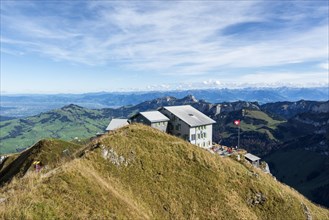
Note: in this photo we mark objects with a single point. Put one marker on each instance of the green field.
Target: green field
(257, 121)
(66, 123)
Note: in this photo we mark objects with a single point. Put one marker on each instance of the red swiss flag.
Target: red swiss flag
(237, 122)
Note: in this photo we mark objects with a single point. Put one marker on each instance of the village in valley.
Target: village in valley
(192, 126)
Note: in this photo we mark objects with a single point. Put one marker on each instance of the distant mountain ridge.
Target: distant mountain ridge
(28, 105)
(289, 109)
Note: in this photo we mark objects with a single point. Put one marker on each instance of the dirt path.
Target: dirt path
(92, 174)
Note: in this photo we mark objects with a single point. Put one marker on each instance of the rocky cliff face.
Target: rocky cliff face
(321, 108)
(290, 109)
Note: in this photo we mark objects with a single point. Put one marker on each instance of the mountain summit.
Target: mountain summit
(138, 172)
(189, 99)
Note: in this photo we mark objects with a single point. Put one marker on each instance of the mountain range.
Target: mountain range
(124, 175)
(272, 123)
(29, 105)
(275, 131)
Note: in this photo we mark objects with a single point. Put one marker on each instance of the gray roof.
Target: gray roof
(154, 116)
(117, 123)
(251, 157)
(190, 115)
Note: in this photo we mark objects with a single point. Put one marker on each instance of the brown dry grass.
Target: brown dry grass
(166, 178)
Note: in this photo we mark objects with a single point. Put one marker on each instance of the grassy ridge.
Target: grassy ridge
(141, 173)
(49, 152)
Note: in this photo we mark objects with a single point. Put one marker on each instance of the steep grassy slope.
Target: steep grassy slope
(65, 123)
(49, 152)
(141, 173)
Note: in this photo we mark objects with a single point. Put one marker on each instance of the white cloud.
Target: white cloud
(171, 38)
(211, 82)
(287, 78)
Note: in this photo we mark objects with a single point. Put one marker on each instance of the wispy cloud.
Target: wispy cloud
(168, 38)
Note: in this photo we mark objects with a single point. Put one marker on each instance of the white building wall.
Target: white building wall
(203, 136)
(185, 132)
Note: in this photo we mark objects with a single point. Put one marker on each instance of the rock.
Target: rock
(307, 212)
(111, 155)
(2, 159)
(2, 200)
(256, 199)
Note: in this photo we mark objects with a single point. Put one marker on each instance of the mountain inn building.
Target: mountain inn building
(189, 124)
(116, 123)
(155, 119)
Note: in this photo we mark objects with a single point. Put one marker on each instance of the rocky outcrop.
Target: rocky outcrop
(290, 109)
(116, 159)
(2, 159)
(307, 212)
(256, 199)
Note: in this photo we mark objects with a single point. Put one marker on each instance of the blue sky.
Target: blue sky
(90, 46)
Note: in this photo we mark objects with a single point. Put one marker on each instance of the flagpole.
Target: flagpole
(239, 136)
(237, 123)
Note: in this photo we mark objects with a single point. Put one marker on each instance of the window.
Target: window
(204, 144)
(198, 136)
(192, 137)
(205, 135)
(178, 127)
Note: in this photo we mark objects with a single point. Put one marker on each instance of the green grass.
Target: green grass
(164, 178)
(48, 152)
(65, 124)
(258, 121)
(271, 123)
